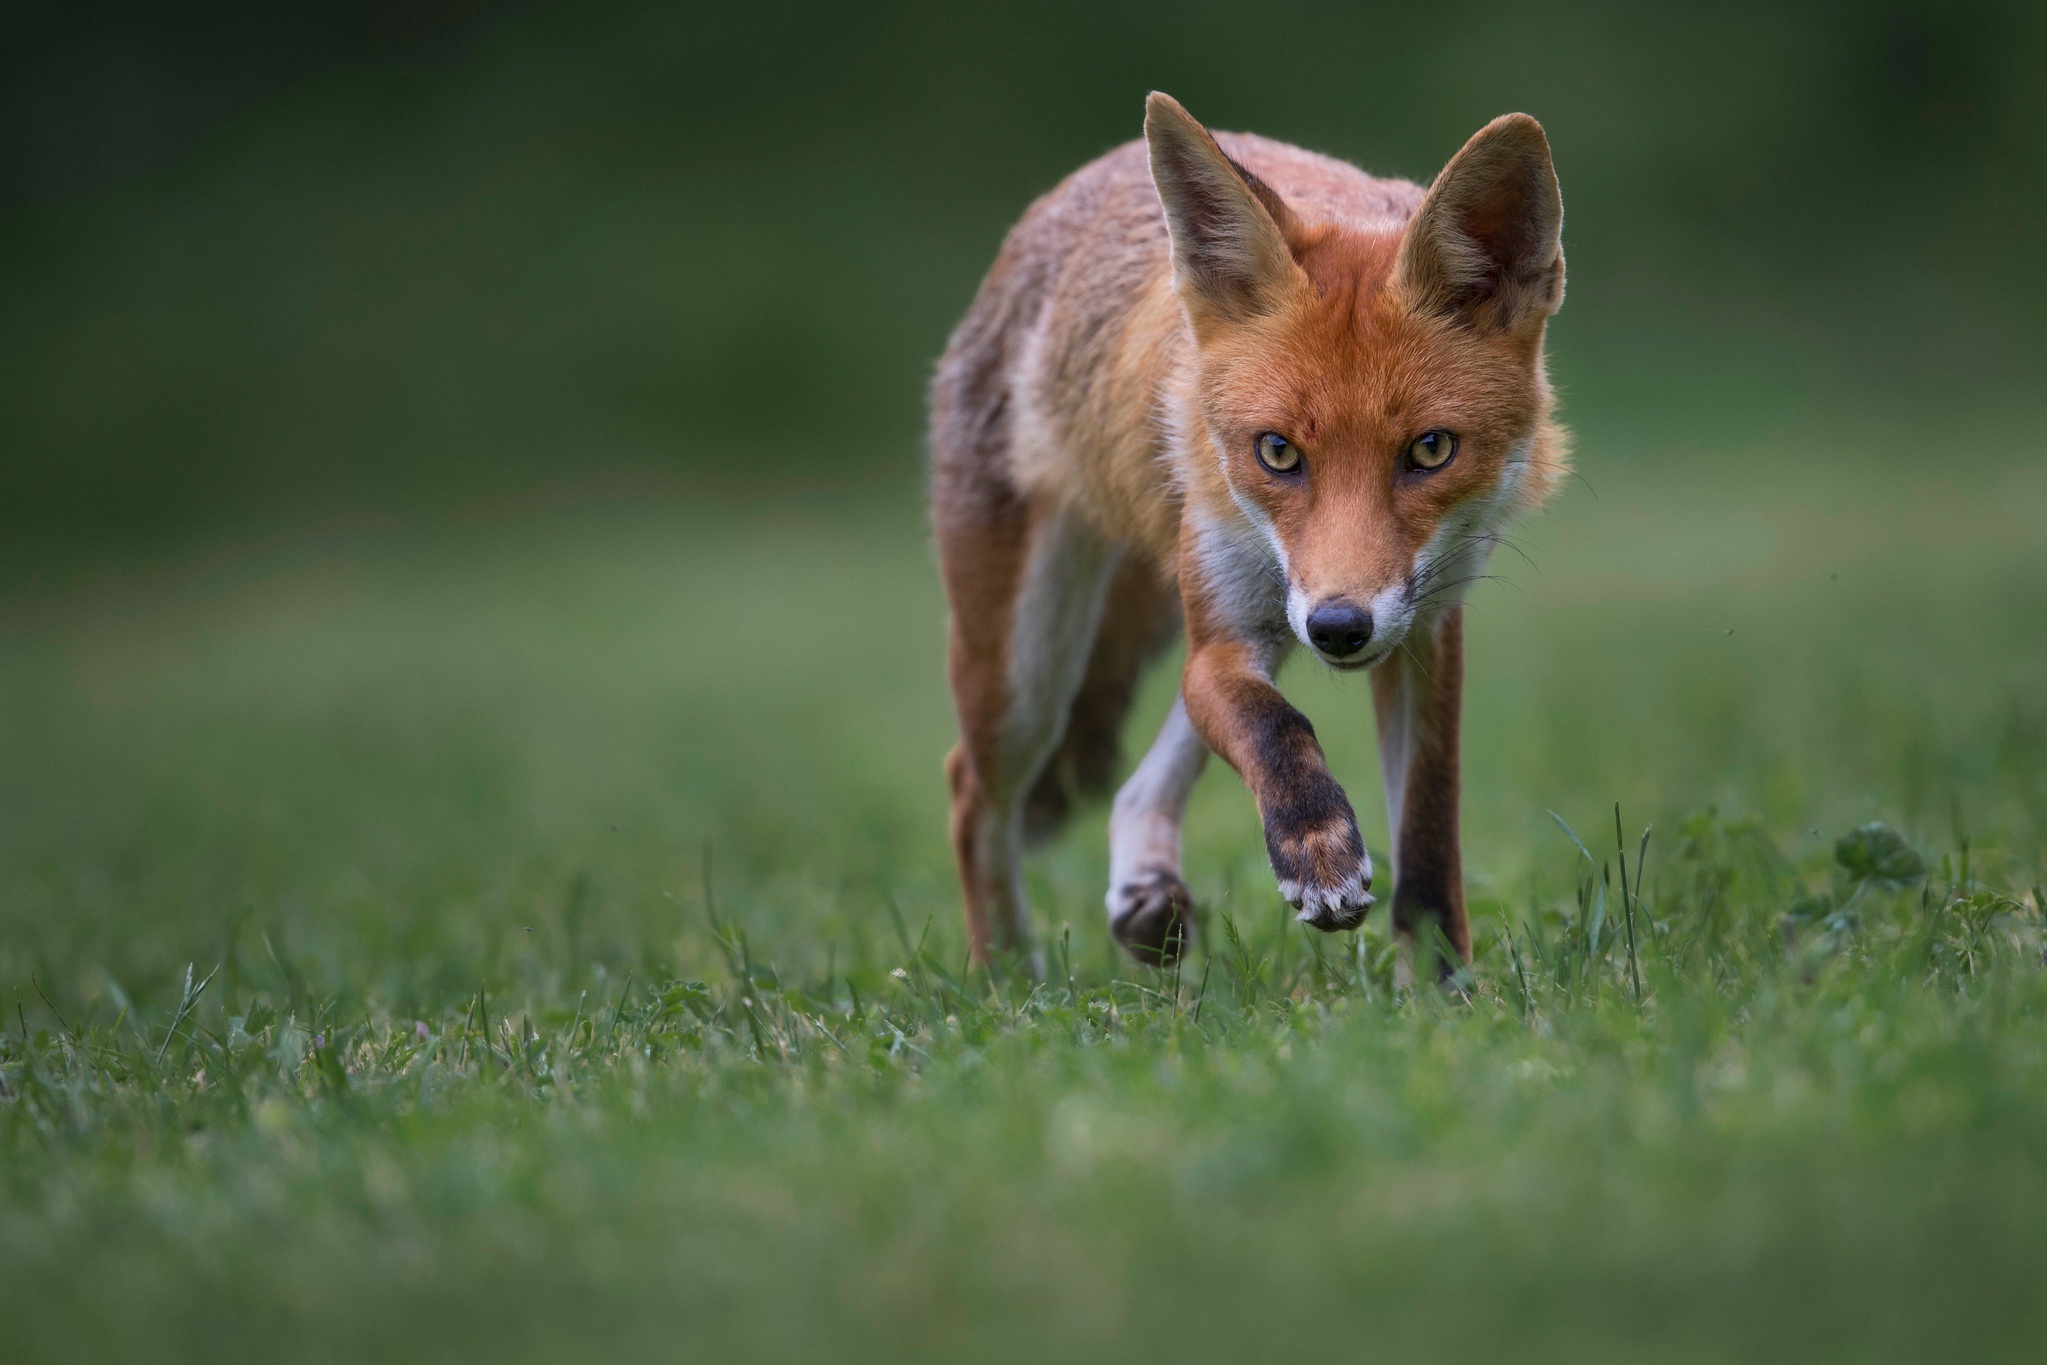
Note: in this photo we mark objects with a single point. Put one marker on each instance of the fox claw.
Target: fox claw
(1332, 907)
(1322, 867)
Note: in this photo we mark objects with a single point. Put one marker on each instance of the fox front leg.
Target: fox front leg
(1311, 833)
(1418, 694)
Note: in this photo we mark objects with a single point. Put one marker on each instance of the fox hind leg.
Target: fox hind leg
(1026, 599)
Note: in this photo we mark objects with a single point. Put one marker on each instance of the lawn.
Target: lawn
(535, 938)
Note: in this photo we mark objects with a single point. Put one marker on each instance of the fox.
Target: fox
(1218, 384)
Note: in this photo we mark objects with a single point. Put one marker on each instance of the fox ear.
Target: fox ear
(1229, 230)
(1486, 245)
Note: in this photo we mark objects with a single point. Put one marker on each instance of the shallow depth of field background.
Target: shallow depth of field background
(461, 530)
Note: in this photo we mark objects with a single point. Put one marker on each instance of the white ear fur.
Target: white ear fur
(1486, 245)
(1228, 229)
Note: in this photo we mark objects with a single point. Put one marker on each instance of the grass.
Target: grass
(537, 940)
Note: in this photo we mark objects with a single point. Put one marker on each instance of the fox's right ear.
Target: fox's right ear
(1228, 229)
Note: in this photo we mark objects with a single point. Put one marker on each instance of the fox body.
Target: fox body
(1221, 382)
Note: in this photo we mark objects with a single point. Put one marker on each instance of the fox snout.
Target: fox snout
(1339, 629)
(1350, 630)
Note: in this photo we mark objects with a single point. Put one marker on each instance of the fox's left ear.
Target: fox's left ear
(1486, 245)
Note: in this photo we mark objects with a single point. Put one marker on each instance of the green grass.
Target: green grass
(583, 977)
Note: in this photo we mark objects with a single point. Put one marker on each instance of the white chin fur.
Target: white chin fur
(1297, 606)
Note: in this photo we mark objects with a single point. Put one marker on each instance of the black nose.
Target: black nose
(1339, 629)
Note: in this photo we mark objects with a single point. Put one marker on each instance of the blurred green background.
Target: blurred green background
(287, 265)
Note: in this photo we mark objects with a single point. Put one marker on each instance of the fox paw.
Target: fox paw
(1152, 917)
(1323, 869)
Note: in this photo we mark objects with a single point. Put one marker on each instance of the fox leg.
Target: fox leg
(1417, 694)
(1150, 908)
(1311, 833)
(1026, 600)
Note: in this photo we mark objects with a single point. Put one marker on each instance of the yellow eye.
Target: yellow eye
(1278, 454)
(1431, 449)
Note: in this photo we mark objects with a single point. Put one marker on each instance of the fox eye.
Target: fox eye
(1431, 450)
(1278, 454)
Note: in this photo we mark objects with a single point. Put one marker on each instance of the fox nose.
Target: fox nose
(1339, 629)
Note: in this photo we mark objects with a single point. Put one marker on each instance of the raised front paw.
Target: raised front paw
(1152, 916)
(1320, 860)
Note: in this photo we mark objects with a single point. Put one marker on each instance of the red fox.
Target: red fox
(1217, 380)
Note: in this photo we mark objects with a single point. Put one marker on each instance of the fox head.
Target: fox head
(1372, 395)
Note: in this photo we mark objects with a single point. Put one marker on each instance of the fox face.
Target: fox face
(1368, 401)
